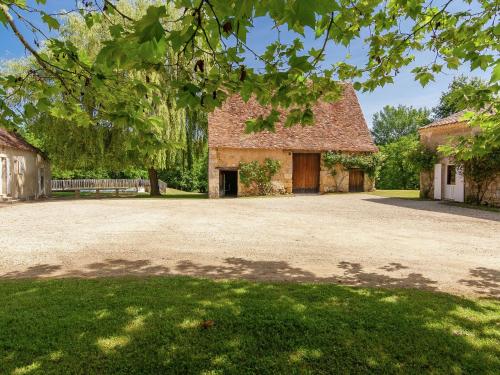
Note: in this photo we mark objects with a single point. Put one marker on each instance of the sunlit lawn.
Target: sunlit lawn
(406, 194)
(155, 326)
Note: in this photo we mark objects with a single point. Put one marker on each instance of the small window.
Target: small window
(450, 175)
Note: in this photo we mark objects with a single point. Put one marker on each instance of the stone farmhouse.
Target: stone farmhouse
(24, 170)
(339, 127)
(446, 181)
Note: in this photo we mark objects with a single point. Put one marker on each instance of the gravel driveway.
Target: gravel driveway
(355, 239)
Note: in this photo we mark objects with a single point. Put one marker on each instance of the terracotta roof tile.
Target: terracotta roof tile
(14, 140)
(339, 126)
(452, 119)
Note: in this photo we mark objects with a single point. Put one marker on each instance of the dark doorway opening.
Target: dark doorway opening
(228, 183)
(356, 180)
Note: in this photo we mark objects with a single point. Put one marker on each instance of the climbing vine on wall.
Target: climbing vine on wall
(368, 163)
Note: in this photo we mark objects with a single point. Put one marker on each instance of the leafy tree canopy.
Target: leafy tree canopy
(398, 171)
(392, 123)
(458, 97)
(205, 44)
(402, 162)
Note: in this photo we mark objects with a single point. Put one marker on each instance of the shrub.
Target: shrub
(258, 176)
(182, 178)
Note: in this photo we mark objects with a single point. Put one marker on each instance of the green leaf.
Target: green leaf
(495, 75)
(51, 22)
(424, 78)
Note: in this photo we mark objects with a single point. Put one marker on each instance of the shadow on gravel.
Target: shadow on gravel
(234, 268)
(484, 281)
(435, 206)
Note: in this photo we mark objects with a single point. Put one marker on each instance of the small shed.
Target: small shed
(24, 170)
(339, 127)
(447, 181)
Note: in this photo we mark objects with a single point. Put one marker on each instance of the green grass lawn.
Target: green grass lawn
(405, 194)
(170, 194)
(155, 326)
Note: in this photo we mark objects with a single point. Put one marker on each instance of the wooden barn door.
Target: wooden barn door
(306, 173)
(356, 180)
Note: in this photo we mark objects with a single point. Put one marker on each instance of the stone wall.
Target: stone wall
(337, 183)
(226, 158)
(492, 195)
(231, 158)
(440, 135)
(427, 184)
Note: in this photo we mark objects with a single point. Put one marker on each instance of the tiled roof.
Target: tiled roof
(452, 119)
(339, 126)
(14, 140)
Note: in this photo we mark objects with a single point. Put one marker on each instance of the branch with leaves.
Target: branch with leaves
(209, 39)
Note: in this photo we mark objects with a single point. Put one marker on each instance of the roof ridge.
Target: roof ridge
(12, 139)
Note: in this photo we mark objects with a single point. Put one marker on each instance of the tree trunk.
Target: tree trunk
(153, 181)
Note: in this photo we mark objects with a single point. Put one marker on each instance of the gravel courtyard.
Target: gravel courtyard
(353, 239)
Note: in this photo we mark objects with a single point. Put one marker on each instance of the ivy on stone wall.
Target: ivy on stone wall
(258, 176)
(368, 163)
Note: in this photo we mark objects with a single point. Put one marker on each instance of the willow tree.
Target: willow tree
(147, 130)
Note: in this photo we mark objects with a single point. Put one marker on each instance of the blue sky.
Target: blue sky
(404, 91)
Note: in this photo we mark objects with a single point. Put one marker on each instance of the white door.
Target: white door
(454, 187)
(449, 181)
(5, 176)
(437, 181)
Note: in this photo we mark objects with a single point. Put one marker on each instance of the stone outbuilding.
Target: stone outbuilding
(446, 181)
(339, 127)
(24, 170)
